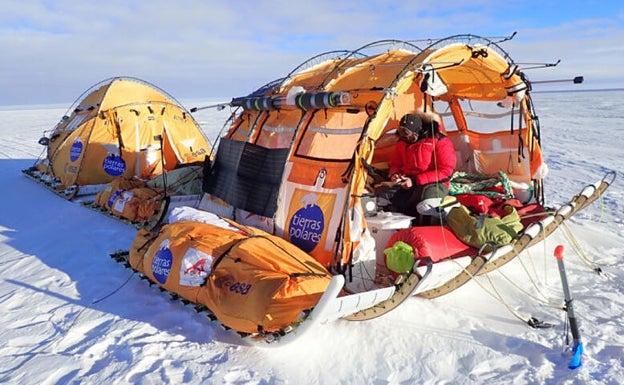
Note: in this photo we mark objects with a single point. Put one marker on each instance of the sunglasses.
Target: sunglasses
(406, 134)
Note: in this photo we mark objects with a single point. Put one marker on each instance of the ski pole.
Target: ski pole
(577, 349)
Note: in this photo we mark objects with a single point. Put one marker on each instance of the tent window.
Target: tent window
(333, 136)
(488, 145)
(485, 117)
(77, 121)
(279, 129)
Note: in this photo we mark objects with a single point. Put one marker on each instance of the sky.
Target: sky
(54, 50)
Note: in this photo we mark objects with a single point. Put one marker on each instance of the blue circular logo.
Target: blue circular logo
(112, 198)
(306, 227)
(114, 165)
(75, 150)
(161, 264)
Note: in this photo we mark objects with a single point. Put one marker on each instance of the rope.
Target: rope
(500, 299)
(543, 300)
(535, 273)
(496, 295)
(579, 250)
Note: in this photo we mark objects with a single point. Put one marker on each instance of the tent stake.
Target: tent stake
(577, 349)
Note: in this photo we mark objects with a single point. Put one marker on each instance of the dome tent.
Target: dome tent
(120, 127)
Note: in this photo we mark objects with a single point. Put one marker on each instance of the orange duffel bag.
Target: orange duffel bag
(251, 280)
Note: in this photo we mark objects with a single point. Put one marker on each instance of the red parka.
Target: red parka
(426, 161)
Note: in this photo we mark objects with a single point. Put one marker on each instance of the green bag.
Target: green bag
(499, 231)
(400, 257)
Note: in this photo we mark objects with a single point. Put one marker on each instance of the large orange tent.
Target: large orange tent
(332, 119)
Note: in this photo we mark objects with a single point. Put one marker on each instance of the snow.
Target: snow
(70, 314)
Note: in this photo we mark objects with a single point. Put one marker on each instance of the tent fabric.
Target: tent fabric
(474, 85)
(480, 66)
(122, 127)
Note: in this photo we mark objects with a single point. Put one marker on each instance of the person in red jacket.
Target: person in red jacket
(423, 162)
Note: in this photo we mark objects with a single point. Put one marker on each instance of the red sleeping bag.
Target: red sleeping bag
(435, 242)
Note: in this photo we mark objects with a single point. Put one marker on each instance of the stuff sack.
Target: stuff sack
(251, 280)
(106, 197)
(138, 204)
(130, 199)
(478, 231)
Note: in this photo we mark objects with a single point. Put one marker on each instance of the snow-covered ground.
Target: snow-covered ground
(70, 314)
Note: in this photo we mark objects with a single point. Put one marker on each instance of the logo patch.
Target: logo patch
(195, 267)
(161, 264)
(114, 196)
(307, 224)
(75, 150)
(113, 165)
(228, 282)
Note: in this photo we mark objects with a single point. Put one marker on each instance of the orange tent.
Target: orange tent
(328, 121)
(121, 127)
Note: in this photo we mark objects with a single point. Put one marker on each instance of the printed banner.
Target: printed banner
(308, 218)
